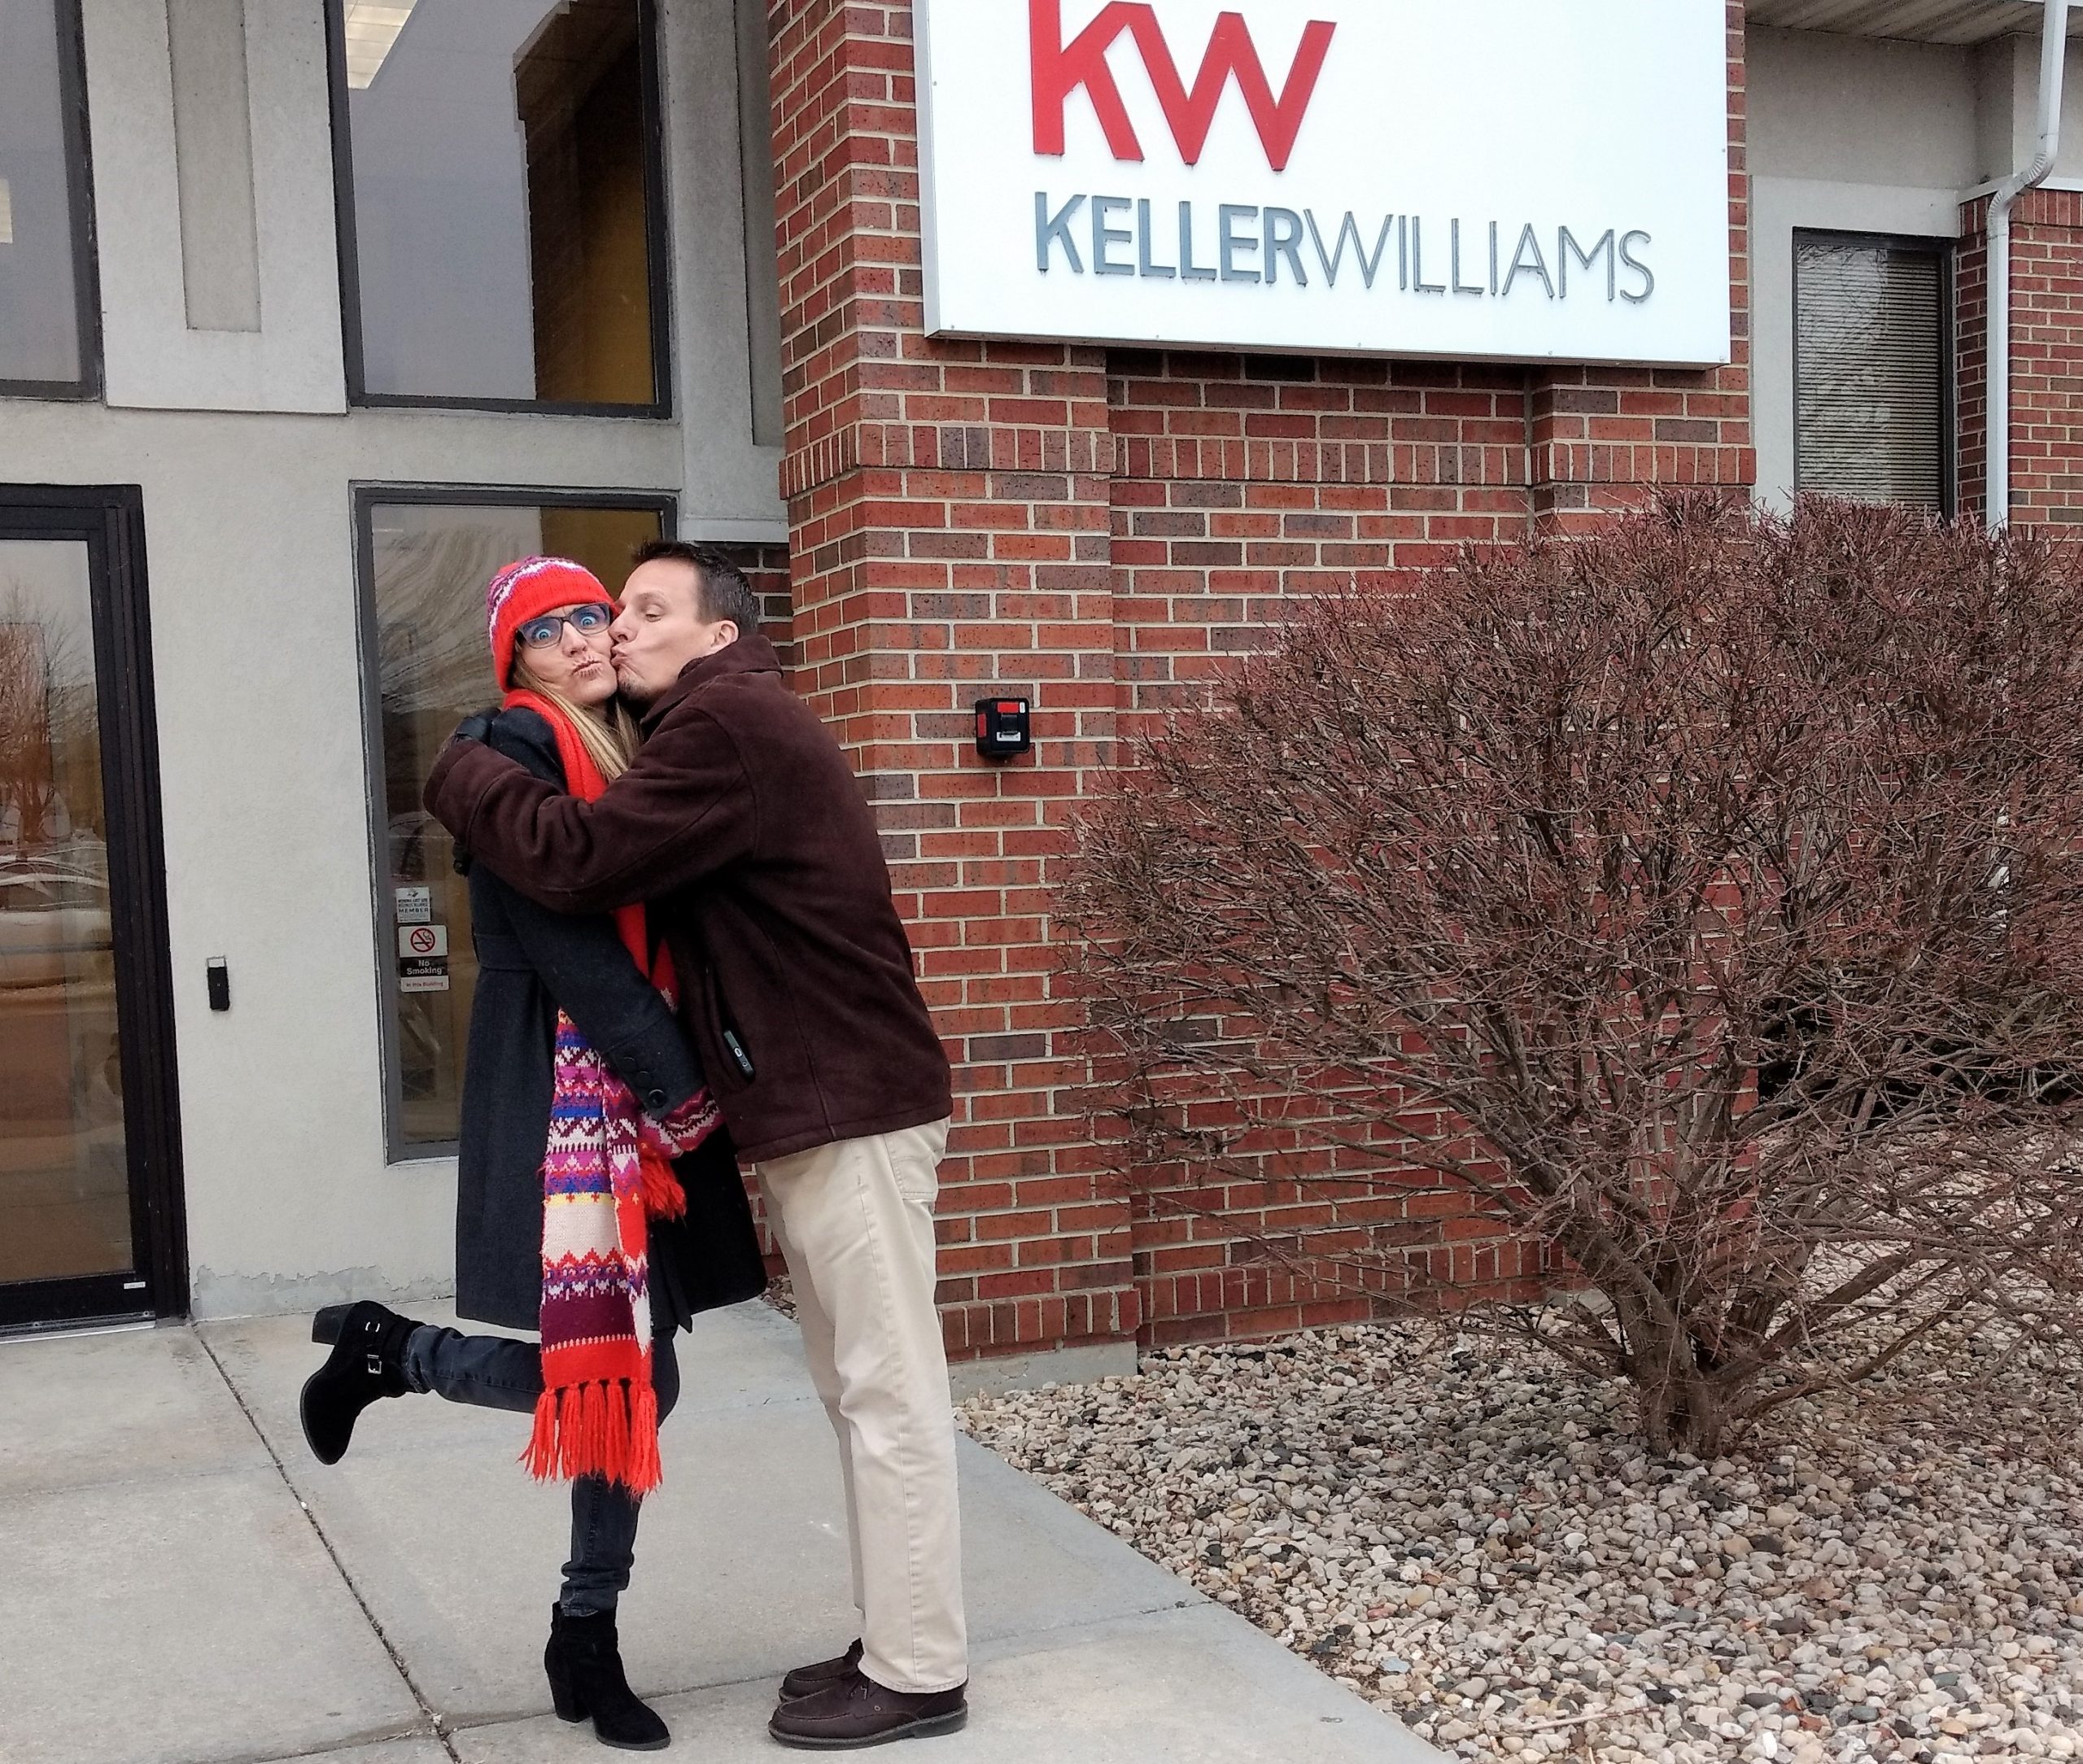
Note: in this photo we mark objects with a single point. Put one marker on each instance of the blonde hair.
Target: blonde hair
(609, 734)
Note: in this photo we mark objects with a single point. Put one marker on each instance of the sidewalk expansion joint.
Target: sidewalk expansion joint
(435, 1725)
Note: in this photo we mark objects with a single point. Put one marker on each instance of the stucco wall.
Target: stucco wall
(251, 559)
(1861, 135)
(1846, 134)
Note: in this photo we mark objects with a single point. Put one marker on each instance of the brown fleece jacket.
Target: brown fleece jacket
(741, 827)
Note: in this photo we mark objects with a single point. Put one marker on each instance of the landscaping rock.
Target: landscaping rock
(1475, 1538)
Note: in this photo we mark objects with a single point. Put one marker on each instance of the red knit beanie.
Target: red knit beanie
(527, 590)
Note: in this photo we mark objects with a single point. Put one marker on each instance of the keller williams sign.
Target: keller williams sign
(1500, 180)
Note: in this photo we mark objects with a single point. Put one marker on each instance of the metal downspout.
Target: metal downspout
(2054, 44)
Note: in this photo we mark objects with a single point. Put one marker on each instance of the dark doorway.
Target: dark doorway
(90, 1217)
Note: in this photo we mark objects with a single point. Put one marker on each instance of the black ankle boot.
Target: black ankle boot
(584, 1661)
(368, 1361)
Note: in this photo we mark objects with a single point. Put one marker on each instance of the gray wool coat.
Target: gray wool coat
(531, 962)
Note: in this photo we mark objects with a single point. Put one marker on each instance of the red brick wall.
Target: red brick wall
(2047, 357)
(1971, 360)
(766, 569)
(950, 515)
(1103, 531)
(1243, 482)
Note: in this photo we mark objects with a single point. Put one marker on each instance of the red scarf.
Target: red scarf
(597, 1415)
(583, 779)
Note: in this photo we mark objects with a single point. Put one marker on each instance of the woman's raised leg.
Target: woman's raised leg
(484, 1371)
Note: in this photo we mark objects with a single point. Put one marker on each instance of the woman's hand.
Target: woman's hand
(676, 1135)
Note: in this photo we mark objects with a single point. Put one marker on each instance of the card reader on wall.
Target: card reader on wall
(1003, 728)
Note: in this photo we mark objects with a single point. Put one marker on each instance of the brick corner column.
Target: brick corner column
(1971, 292)
(949, 509)
(2047, 351)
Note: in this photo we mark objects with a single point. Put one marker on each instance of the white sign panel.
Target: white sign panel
(1502, 179)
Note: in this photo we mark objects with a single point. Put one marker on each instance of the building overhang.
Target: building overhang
(1918, 21)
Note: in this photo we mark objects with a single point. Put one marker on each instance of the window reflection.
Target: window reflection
(39, 246)
(64, 1175)
(503, 199)
(430, 564)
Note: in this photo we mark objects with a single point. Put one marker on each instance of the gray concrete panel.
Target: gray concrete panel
(276, 150)
(1193, 1686)
(1002, 1372)
(741, 1566)
(426, 1751)
(89, 1409)
(179, 1621)
(213, 153)
(741, 1562)
(165, 1605)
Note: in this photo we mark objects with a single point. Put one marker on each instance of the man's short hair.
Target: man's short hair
(720, 588)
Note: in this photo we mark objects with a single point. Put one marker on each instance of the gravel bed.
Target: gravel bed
(1471, 1534)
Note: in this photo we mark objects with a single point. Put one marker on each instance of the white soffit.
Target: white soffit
(1921, 21)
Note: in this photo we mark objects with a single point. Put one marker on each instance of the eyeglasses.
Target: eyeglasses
(541, 633)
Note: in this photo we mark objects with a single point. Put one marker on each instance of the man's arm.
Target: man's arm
(580, 959)
(684, 810)
(584, 967)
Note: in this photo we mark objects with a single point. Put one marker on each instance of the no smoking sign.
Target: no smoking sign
(421, 942)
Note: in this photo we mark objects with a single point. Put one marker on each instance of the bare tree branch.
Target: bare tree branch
(1703, 901)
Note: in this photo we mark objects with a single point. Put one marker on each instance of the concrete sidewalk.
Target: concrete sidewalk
(184, 1584)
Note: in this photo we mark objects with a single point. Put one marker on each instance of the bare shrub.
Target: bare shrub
(1704, 900)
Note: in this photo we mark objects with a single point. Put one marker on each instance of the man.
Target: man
(741, 827)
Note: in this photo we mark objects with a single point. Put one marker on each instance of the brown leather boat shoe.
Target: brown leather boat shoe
(805, 1679)
(855, 1711)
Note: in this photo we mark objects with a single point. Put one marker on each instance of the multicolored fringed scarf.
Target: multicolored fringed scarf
(601, 1185)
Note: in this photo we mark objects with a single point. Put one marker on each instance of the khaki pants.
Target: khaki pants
(855, 1223)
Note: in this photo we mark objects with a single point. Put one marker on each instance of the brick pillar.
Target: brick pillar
(1970, 360)
(1106, 532)
(948, 511)
(2047, 357)
(1598, 437)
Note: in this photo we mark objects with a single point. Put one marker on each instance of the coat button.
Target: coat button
(656, 1099)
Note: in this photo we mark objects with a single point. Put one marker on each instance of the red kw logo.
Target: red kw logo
(1061, 68)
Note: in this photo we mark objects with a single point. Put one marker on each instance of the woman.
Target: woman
(598, 1199)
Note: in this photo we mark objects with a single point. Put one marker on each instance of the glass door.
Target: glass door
(88, 1187)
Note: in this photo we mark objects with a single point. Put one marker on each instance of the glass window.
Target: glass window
(42, 274)
(428, 565)
(504, 200)
(1871, 374)
(64, 1177)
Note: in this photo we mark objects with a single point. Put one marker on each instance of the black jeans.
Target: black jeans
(491, 1371)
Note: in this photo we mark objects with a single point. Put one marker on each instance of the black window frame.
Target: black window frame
(1947, 252)
(658, 246)
(109, 520)
(367, 497)
(79, 182)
